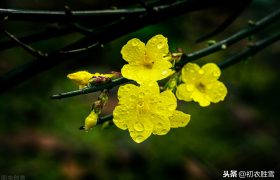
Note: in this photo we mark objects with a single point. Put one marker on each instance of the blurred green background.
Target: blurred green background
(39, 137)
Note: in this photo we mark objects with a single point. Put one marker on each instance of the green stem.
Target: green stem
(251, 29)
(87, 90)
(252, 50)
(104, 119)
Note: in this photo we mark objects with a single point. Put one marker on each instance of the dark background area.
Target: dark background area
(39, 137)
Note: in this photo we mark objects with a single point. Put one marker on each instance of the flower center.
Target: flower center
(201, 87)
(142, 107)
(148, 63)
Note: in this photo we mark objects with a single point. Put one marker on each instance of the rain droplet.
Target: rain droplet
(135, 44)
(139, 138)
(201, 71)
(164, 72)
(138, 126)
(216, 73)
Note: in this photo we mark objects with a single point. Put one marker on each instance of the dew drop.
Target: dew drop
(138, 127)
(135, 44)
(201, 71)
(139, 138)
(164, 72)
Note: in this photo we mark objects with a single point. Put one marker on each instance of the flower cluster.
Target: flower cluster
(146, 108)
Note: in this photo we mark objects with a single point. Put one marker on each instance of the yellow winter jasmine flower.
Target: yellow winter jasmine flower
(201, 84)
(143, 110)
(83, 78)
(148, 62)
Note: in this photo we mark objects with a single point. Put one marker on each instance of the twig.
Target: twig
(95, 88)
(252, 50)
(38, 36)
(251, 29)
(32, 51)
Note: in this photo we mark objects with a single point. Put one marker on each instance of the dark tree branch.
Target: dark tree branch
(78, 16)
(32, 51)
(38, 36)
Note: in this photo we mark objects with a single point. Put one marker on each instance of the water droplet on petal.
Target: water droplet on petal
(138, 126)
(201, 71)
(164, 72)
(139, 138)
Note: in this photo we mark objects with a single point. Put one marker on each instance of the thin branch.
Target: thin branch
(38, 36)
(251, 29)
(252, 50)
(32, 51)
(95, 88)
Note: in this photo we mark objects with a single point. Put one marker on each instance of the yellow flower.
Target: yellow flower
(201, 84)
(148, 62)
(91, 120)
(143, 110)
(83, 78)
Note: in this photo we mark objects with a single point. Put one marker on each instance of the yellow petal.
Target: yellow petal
(191, 73)
(157, 48)
(80, 77)
(217, 91)
(134, 51)
(127, 94)
(184, 92)
(91, 120)
(161, 124)
(179, 119)
(165, 104)
(201, 98)
(211, 72)
(140, 130)
(142, 74)
(121, 116)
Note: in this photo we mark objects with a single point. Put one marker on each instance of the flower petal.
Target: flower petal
(142, 74)
(217, 91)
(165, 104)
(140, 130)
(122, 116)
(201, 98)
(161, 124)
(184, 92)
(134, 51)
(179, 119)
(157, 48)
(80, 77)
(211, 72)
(127, 94)
(191, 73)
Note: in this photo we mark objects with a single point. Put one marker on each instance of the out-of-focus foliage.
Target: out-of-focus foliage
(40, 138)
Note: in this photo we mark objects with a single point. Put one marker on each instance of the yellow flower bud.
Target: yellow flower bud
(91, 120)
